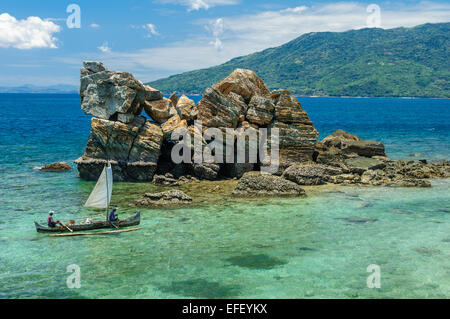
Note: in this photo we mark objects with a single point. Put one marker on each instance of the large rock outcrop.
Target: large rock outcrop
(119, 133)
(242, 97)
(107, 94)
(133, 149)
(139, 147)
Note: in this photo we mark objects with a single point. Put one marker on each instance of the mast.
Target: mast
(107, 192)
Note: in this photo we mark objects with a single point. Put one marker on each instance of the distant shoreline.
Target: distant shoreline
(298, 96)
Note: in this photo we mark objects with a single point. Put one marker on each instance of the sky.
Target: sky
(44, 42)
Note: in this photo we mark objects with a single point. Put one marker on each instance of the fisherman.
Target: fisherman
(50, 222)
(112, 216)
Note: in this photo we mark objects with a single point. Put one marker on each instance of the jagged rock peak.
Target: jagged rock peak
(107, 94)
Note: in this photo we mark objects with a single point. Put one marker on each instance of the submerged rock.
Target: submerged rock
(56, 167)
(257, 184)
(428, 251)
(168, 198)
(359, 220)
(165, 180)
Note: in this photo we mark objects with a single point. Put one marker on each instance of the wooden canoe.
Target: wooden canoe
(130, 221)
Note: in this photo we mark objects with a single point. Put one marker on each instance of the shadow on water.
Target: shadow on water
(201, 288)
(260, 261)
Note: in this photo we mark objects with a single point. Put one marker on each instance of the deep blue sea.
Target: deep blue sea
(275, 248)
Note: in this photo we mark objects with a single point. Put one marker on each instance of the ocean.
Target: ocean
(227, 248)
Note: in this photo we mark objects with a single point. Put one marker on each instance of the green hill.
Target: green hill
(401, 62)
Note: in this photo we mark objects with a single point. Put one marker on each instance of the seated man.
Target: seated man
(112, 216)
(50, 222)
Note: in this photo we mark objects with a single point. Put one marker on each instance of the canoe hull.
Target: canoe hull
(130, 221)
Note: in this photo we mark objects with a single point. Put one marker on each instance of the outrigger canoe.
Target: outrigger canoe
(130, 221)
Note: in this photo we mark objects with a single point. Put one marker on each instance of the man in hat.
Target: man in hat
(50, 222)
(112, 216)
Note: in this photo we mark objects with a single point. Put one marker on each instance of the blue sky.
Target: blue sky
(157, 38)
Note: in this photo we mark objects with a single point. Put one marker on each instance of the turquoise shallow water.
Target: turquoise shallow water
(271, 248)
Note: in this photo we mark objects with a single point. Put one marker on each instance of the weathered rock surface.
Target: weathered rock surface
(91, 168)
(105, 93)
(260, 111)
(134, 142)
(350, 143)
(168, 198)
(216, 109)
(175, 122)
(398, 173)
(244, 83)
(165, 180)
(257, 184)
(288, 109)
(359, 165)
(205, 171)
(296, 141)
(134, 148)
(310, 174)
(56, 167)
(186, 108)
(152, 94)
(160, 110)
(174, 98)
(138, 148)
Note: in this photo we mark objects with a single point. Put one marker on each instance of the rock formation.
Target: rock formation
(167, 198)
(56, 167)
(258, 184)
(139, 147)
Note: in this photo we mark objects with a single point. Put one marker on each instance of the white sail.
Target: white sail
(101, 194)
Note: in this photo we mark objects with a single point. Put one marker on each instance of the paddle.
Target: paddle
(117, 227)
(98, 233)
(66, 227)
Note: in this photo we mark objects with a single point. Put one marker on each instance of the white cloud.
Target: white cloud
(104, 48)
(272, 28)
(30, 33)
(216, 28)
(245, 34)
(94, 25)
(201, 4)
(151, 30)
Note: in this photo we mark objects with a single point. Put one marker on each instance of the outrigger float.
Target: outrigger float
(100, 197)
